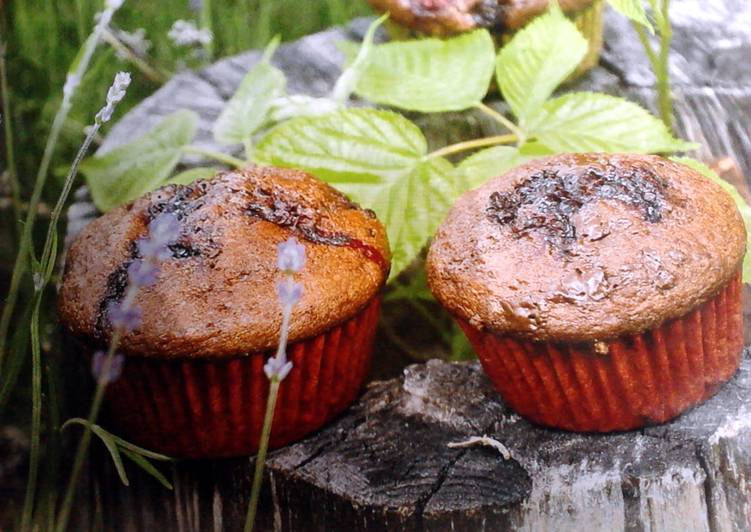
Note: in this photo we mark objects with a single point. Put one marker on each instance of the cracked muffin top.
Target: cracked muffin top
(216, 295)
(584, 247)
(448, 17)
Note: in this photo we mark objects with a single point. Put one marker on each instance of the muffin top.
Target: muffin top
(586, 247)
(448, 17)
(216, 295)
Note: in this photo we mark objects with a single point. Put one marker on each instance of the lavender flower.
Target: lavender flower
(115, 368)
(135, 40)
(71, 83)
(164, 230)
(142, 273)
(124, 316)
(115, 93)
(289, 292)
(277, 368)
(290, 256)
(290, 259)
(185, 33)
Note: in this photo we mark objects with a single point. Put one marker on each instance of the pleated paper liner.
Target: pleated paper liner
(199, 408)
(643, 379)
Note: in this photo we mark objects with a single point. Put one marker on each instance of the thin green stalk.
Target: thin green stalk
(81, 20)
(21, 263)
(52, 445)
(498, 117)
(15, 188)
(45, 269)
(472, 145)
(665, 102)
(145, 68)
(261, 456)
(216, 155)
(83, 444)
(206, 22)
(641, 32)
(36, 416)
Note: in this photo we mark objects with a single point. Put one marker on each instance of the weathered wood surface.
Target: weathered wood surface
(385, 464)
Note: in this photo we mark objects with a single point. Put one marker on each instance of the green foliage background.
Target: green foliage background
(43, 36)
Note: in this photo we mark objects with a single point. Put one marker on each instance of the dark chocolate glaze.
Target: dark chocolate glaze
(547, 200)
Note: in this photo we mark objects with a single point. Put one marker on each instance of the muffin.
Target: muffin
(193, 383)
(600, 292)
(442, 18)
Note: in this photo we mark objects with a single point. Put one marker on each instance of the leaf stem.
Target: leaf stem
(473, 144)
(641, 32)
(261, 456)
(15, 188)
(206, 23)
(665, 102)
(498, 117)
(216, 155)
(146, 69)
(36, 416)
(83, 444)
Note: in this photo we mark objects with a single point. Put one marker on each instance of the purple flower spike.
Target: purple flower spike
(290, 255)
(277, 368)
(153, 250)
(115, 370)
(165, 228)
(289, 291)
(142, 273)
(124, 317)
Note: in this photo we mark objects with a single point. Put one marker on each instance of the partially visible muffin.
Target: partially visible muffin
(601, 292)
(193, 383)
(442, 18)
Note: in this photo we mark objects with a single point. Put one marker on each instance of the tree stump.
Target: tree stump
(385, 464)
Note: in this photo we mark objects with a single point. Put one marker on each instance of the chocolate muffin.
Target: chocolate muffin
(442, 18)
(600, 292)
(193, 382)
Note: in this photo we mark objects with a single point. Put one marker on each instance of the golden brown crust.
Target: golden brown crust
(216, 296)
(586, 247)
(448, 17)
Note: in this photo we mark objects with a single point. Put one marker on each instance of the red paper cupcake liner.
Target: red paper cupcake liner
(643, 379)
(198, 408)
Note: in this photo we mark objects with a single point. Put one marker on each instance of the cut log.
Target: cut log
(386, 463)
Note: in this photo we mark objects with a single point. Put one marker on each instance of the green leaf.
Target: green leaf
(296, 105)
(186, 177)
(246, 111)
(411, 207)
(378, 158)
(430, 75)
(634, 10)
(143, 164)
(534, 148)
(491, 162)
(586, 122)
(537, 59)
(743, 207)
(109, 442)
(659, 16)
(352, 74)
(147, 466)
